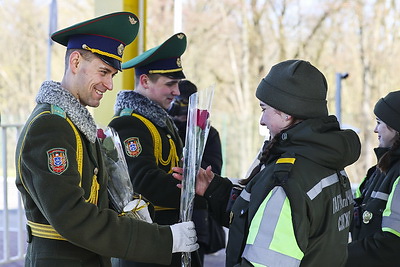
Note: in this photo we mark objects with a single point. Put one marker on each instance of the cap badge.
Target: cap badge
(120, 49)
(178, 62)
(132, 20)
(180, 36)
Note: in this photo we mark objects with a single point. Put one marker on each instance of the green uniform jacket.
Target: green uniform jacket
(69, 225)
(297, 210)
(376, 228)
(152, 147)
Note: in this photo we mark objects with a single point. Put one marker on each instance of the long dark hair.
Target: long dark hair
(262, 158)
(268, 145)
(385, 160)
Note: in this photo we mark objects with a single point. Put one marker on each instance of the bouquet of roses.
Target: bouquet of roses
(120, 189)
(197, 128)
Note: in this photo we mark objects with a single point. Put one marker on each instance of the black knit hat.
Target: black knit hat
(387, 109)
(295, 87)
(180, 104)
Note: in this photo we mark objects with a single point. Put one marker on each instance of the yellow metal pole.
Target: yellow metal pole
(125, 80)
(137, 7)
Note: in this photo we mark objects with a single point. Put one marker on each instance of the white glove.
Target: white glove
(139, 207)
(184, 237)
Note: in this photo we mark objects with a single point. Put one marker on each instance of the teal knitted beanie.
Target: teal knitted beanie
(295, 87)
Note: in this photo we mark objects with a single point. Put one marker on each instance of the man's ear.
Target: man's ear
(144, 81)
(74, 61)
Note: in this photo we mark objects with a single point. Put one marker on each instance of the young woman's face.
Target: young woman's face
(273, 119)
(386, 135)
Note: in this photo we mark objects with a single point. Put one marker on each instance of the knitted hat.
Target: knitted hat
(180, 104)
(295, 87)
(387, 109)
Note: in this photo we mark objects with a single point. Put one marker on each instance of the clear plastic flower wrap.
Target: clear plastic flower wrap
(197, 128)
(120, 188)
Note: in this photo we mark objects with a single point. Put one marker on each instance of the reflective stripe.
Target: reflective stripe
(380, 195)
(44, 231)
(325, 182)
(391, 214)
(357, 193)
(271, 240)
(245, 195)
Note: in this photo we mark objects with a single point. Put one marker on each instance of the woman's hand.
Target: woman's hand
(203, 178)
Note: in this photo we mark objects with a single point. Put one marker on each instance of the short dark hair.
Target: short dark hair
(87, 55)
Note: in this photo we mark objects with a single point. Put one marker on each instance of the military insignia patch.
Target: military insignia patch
(57, 160)
(132, 147)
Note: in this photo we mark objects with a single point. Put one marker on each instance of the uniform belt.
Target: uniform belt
(158, 208)
(44, 231)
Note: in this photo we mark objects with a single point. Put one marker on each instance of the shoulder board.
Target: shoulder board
(283, 166)
(126, 112)
(58, 111)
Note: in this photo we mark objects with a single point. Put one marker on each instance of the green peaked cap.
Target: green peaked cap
(105, 36)
(163, 59)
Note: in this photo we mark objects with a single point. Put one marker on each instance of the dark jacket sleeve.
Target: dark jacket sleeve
(212, 152)
(60, 200)
(217, 195)
(380, 249)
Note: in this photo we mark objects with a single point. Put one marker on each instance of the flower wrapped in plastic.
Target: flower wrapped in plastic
(197, 128)
(120, 189)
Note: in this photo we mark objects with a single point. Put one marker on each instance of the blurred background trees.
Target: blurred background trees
(232, 44)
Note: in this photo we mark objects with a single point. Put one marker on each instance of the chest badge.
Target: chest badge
(133, 147)
(57, 160)
(367, 216)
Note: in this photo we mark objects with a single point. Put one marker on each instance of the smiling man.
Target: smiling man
(151, 140)
(60, 169)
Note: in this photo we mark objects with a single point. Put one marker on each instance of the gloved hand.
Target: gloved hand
(140, 209)
(184, 237)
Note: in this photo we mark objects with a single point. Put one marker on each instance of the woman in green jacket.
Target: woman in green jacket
(295, 207)
(376, 229)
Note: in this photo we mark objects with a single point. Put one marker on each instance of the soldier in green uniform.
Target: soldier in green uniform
(150, 138)
(60, 169)
(295, 208)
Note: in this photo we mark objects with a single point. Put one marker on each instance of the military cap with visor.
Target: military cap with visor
(164, 59)
(105, 36)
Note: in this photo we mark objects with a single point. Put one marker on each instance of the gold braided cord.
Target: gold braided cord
(94, 189)
(79, 149)
(173, 158)
(137, 207)
(164, 71)
(44, 231)
(97, 51)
